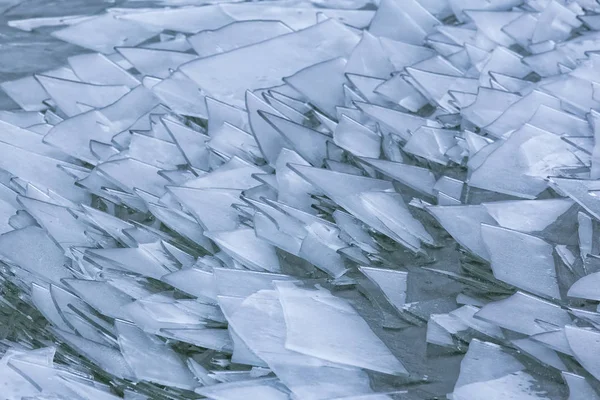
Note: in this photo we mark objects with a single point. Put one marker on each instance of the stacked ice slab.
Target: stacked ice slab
(309, 200)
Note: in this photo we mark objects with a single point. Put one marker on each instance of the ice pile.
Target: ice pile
(308, 200)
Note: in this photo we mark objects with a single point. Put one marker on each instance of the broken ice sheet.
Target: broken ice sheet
(73, 135)
(530, 267)
(320, 333)
(392, 283)
(157, 63)
(285, 54)
(235, 35)
(261, 315)
(70, 95)
(263, 388)
(579, 387)
(244, 246)
(525, 314)
(42, 257)
(151, 359)
(115, 33)
(357, 138)
(522, 163)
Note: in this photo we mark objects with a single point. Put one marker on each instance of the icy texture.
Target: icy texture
(301, 199)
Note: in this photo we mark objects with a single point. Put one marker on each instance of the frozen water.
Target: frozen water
(302, 199)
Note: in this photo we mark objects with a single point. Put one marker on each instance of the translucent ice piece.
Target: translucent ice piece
(435, 86)
(186, 19)
(211, 207)
(488, 106)
(264, 388)
(504, 61)
(389, 16)
(559, 122)
(555, 23)
(403, 55)
(519, 385)
(245, 247)
(366, 87)
(579, 388)
(33, 250)
(229, 141)
(59, 222)
(234, 174)
(97, 69)
(297, 17)
(355, 344)
(159, 153)
(520, 112)
(525, 314)
(183, 224)
(357, 138)
(284, 54)
(540, 352)
(30, 24)
(369, 58)
(69, 95)
(268, 138)
(131, 259)
(521, 260)
(129, 174)
(527, 215)
(73, 134)
(103, 297)
(151, 359)
(390, 209)
(157, 63)
(242, 283)
(584, 192)
(354, 232)
(235, 35)
(431, 144)
(29, 140)
(116, 33)
(33, 168)
(215, 339)
(190, 142)
(310, 144)
(42, 376)
(286, 110)
(193, 281)
(110, 224)
(584, 343)
(107, 358)
(293, 190)
(490, 23)
(392, 283)
(403, 124)
(343, 189)
(42, 299)
(322, 84)
(321, 247)
(466, 315)
(265, 228)
(554, 339)
(264, 310)
(27, 93)
(521, 164)
(220, 112)
(180, 94)
(586, 287)
(485, 361)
